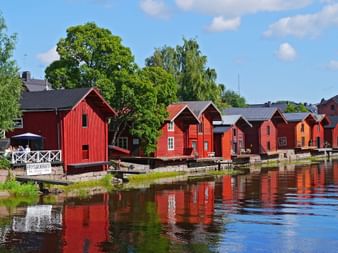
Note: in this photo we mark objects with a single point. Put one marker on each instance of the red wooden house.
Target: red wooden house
(74, 121)
(331, 132)
(229, 135)
(174, 139)
(318, 138)
(201, 136)
(329, 107)
(261, 138)
(298, 132)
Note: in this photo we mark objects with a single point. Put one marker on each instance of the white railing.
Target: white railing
(39, 156)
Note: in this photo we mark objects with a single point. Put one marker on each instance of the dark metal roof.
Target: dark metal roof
(297, 116)
(37, 85)
(198, 107)
(253, 114)
(335, 99)
(333, 122)
(221, 129)
(53, 99)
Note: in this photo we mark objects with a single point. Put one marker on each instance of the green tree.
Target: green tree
(91, 56)
(10, 83)
(188, 65)
(231, 98)
(292, 107)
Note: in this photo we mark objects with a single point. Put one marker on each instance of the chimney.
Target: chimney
(269, 103)
(26, 75)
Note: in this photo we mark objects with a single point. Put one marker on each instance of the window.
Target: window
(332, 107)
(268, 130)
(85, 152)
(18, 123)
(303, 141)
(234, 132)
(200, 128)
(302, 128)
(282, 141)
(171, 143)
(122, 142)
(171, 126)
(268, 146)
(206, 146)
(194, 145)
(84, 120)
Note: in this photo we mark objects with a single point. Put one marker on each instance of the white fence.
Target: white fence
(40, 156)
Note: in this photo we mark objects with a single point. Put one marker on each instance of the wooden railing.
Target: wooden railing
(39, 156)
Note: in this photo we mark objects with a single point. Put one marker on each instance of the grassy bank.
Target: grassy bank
(19, 190)
(153, 176)
(229, 172)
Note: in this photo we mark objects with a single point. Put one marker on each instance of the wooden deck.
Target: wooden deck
(41, 181)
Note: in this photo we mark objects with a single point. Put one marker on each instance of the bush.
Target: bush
(20, 190)
(4, 163)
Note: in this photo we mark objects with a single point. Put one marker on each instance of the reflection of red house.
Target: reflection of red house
(201, 137)
(269, 188)
(262, 137)
(331, 132)
(229, 135)
(297, 133)
(85, 227)
(73, 120)
(318, 139)
(197, 206)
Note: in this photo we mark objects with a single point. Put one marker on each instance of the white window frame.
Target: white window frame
(122, 142)
(206, 146)
(171, 143)
(18, 123)
(282, 141)
(171, 126)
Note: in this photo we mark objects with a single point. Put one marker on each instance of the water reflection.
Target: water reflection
(287, 209)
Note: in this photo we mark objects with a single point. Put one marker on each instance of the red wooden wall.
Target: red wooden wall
(326, 108)
(331, 136)
(318, 132)
(223, 144)
(95, 135)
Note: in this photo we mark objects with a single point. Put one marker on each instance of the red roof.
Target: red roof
(174, 110)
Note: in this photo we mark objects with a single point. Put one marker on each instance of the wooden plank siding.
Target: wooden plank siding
(296, 136)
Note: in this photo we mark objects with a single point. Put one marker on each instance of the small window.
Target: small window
(200, 128)
(84, 120)
(268, 130)
(194, 145)
(303, 141)
(171, 143)
(85, 152)
(18, 123)
(302, 128)
(171, 126)
(268, 146)
(234, 132)
(332, 107)
(282, 141)
(122, 142)
(206, 146)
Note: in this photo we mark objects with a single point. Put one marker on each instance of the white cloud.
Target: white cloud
(332, 65)
(155, 8)
(49, 56)
(286, 52)
(309, 25)
(219, 24)
(235, 8)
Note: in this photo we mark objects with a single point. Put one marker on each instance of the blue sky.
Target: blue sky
(280, 49)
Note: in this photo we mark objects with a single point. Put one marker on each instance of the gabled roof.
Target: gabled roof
(175, 110)
(37, 85)
(298, 116)
(199, 107)
(60, 100)
(321, 118)
(255, 114)
(221, 129)
(230, 120)
(335, 99)
(333, 122)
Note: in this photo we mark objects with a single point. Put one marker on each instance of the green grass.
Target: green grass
(20, 190)
(82, 188)
(153, 176)
(230, 172)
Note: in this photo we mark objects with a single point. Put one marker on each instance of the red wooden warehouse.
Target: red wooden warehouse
(298, 132)
(74, 121)
(261, 138)
(331, 132)
(201, 136)
(318, 131)
(229, 135)
(329, 107)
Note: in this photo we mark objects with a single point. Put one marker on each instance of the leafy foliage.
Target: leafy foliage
(91, 56)
(10, 83)
(186, 63)
(292, 107)
(232, 99)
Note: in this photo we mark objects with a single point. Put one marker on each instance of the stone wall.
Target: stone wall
(86, 176)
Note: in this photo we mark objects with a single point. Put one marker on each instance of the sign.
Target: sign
(34, 169)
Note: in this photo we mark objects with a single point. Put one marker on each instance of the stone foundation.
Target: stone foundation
(86, 176)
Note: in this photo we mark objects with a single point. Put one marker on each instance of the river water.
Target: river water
(286, 209)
